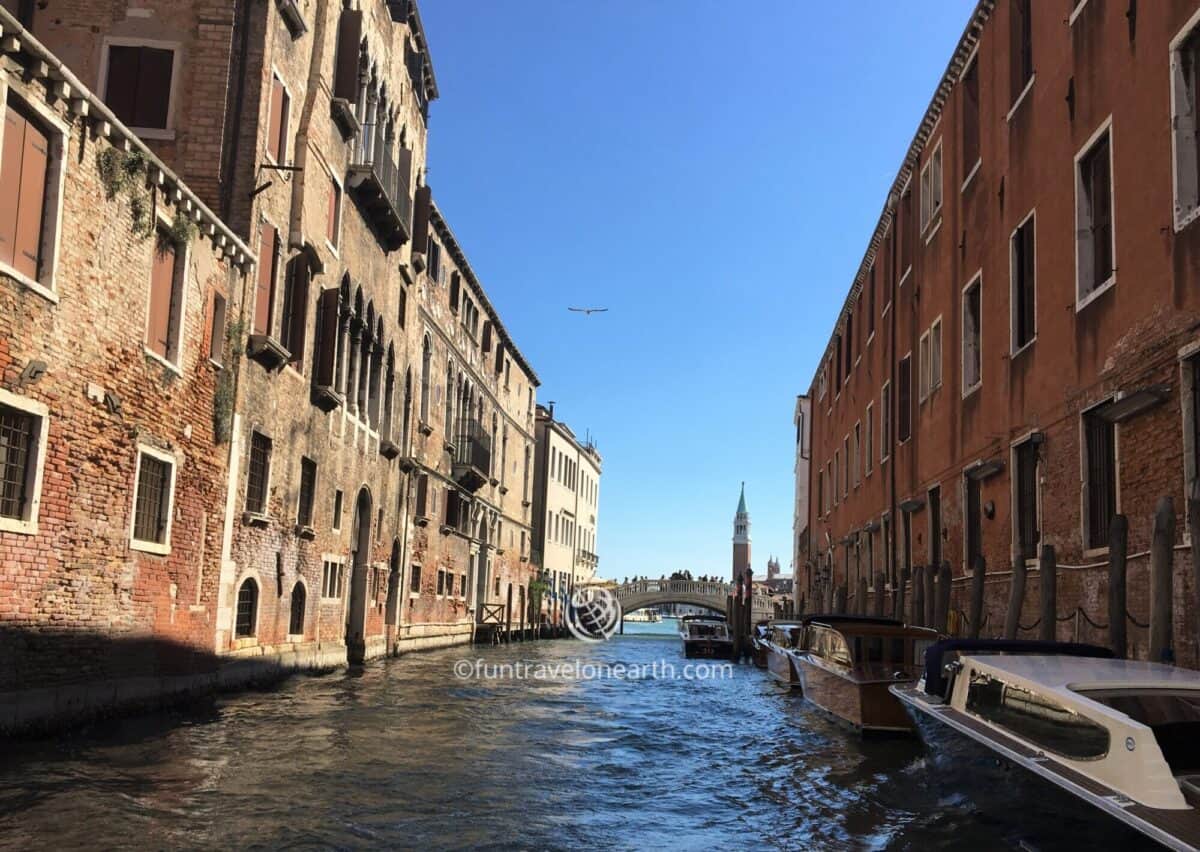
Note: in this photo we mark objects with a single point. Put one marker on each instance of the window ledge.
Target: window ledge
(154, 356)
(1076, 12)
(1025, 347)
(934, 227)
(268, 351)
(150, 547)
(1020, 98)
(161, 134)
(972, 390)
(28, 283)
(12, 525)
(326, 398)
(1091, 552)
(305, 531)
(343, 115)
(904, 277)
(255, 519)
(1181, 222)
(421, 521)
(292, 17)
(971, 175)
(332, 248)
(1097, 293)
(424, 428)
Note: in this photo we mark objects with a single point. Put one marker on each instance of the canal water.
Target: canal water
(406, 753)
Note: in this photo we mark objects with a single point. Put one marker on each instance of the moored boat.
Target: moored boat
(706, 636)
(782, 637)
(1094, 735)
(758, 640)
(846, 663)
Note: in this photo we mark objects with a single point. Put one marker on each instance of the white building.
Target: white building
(566, 503)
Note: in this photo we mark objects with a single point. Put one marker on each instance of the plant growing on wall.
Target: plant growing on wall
(124, 173)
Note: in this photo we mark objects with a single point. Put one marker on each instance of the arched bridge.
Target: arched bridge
(705, 593)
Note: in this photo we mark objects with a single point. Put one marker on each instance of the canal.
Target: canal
(406, 754)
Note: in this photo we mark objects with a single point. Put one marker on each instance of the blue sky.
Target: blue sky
(710, 172)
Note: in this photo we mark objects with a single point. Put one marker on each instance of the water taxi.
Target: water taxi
(846, 663)
(706, 636)
(1091, 733)
(646, 616)
(780, 638)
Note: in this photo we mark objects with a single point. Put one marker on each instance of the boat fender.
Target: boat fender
(949, 675)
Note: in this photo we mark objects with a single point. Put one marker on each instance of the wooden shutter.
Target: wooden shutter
(455, 284)
(295, 317)
(121, 85)
(10, 181)
(487, 335)
(325, 366)
(335, 197)
(499, 357)
(345, 73)
(403, 180)
(421, 204)
(422, 495)
(153, 87)
(35, 158)
(275, 126)
(162, 285)
(265, 291)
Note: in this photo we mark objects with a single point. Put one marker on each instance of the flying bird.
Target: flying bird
(588, 311)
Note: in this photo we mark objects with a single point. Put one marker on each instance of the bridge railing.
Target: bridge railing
(705, 588)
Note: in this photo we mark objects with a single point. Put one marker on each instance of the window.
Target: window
(1026, 485)
(885, 421)
(904, 398)
(277, 127)
(857, 454)
(337, 510)
(850, 345)
(935, 355)
(138, 83)
(1100, 478)
(216, 330)
(421, 508)
(268, 270)
(837, 476)
(1020, 49)
(426, 367)
(331, 579)
(23, 428)
(258, 473)
(152, 501)
(907, 222)
(1037, 718)
(294, 322)
(821, 492)
(846, 471)
(869, 451)
(923, 367)
(434, 266)
(299, 599)
(871, 303)
(247, 609)
(970, 121)
(308, 486)
(164, 318)
(972, 344)
(1185, 110)
(414, 581)
(1022, 268)
(837, 385)
(333, 220)
(935, 525)
(931, 188)
(1094, 237)
(441, 582)
(30, 165)
(402, 294)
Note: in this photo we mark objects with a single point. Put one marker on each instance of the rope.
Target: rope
(1029, 627)
(1129, 615)
(1089, 620)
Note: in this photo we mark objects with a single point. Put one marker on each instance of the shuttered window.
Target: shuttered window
(1101, 478)
(277, 130)
(161, 327)
(904, 398)
(1028, 535)
(1094, 233)
(414, 580)
(1024, 320)
(333, 216)
(268, 267)
(295, 309)
(216, 331)
(138, 87)
(325, 356)
(422, 508)
(24, 163)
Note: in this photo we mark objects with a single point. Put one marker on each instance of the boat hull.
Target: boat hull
(712, 649)
(867, 705)
(781, 668)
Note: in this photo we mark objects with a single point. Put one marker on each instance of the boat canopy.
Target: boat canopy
(935, 683)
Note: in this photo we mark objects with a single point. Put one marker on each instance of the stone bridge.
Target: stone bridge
(706, 593)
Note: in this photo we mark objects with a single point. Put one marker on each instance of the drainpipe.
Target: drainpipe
(296, 221)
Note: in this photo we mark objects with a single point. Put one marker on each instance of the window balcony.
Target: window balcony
(472, 456)
(379, 182)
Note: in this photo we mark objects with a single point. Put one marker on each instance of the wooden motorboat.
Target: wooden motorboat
(706, 636)
(1092, 737)
(781, 637)
(758, 641)
(845, 665)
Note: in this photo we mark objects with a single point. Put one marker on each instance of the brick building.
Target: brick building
(1015, 360)
(115, 281)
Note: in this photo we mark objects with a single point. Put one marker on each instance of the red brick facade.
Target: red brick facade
(1048, 92)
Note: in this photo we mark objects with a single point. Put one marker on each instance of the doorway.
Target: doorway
(356, 616)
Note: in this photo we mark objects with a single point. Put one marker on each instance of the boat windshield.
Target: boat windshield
(1173, 716)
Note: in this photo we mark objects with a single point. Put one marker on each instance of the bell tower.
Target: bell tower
(741, 538)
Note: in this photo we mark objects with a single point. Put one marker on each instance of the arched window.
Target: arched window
(389, 390)
(407, 409)
(450, 401)
(426, 369)
(247, 609)
(299, 598)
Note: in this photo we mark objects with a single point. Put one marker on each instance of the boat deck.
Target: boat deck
(1176, 829)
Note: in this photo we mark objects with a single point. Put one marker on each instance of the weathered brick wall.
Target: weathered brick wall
(76, 602)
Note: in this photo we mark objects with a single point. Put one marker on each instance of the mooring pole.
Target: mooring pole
(898, 595)
(1016, 597)
(1118, 549)
(941, 613)
(918, 596)
(839, 599)
(1048, 592)
(1162, 548)
(879, 581)
(930, 595)
(860, 605)
(1193, 520)
(977, 578)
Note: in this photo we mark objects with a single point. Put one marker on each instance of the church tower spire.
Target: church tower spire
(741, 538)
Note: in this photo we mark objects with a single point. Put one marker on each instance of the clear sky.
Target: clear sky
(708, 171)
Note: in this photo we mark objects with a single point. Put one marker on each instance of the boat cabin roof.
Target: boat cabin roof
(831, 619)
(719, 618)
(1070, 676)
(895, 630)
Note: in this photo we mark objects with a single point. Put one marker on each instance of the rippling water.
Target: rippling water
(403, 754)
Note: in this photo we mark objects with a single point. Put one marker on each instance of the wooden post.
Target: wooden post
(898, 596)
(1162, 552)
(941, 612)
(1193, 521)
(860, 604)
(930, 595)
(918, 596)
(839, 599)
(1048, 592)
(1016, 598)
(977, 578)
(1118, 549)
(879, 581)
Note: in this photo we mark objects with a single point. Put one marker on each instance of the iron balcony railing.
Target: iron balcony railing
(384, 181)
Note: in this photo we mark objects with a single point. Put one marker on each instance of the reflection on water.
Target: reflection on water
(403, 754)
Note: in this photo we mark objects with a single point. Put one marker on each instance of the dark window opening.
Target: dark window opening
(299, 598)
(247, 609)
(16, 455)
(151, 512)
(138, 88)
(258, 473)
(1028, 535)
(1101, 479)
(308, 483)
